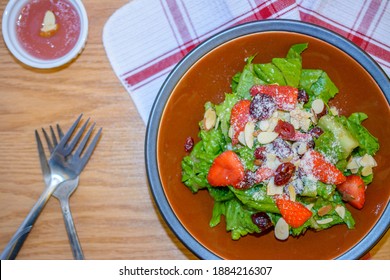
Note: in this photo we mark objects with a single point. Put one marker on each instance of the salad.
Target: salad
(275, 155)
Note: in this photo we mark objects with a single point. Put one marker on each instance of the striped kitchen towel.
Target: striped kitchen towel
(145, 39)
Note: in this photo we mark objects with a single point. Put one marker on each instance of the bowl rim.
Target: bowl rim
(152, 130)
(19, 53)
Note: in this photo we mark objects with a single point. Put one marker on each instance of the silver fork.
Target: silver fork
(63, 166)
(63, 191)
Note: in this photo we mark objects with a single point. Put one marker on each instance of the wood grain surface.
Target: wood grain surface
(113, 208)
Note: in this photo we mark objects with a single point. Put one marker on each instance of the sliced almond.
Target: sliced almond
(241, 138)
(324, 221)
(271, 157)
(282, 229)
(305, 124)
(248, 133)
(292, 193)
(295, 123)
(285, 116)
(318, 106)
(264, 125)
(272, 189)
(367, 160)
(266, 137)
(231, 132)
(324, 210)
(272, 161)
(355, 170)
(314, 118)
(296, 162)
(352, 163)
(210, 118)
(309, 206)
(49, 25)
(302, 148)
(366, 170)
(340, 210)
(287, 159)
(273, 122)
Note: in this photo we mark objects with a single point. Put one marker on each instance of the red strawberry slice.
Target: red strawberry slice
(353, 191)
(239, 117)
(315, 163)
(294, 213)
(226, 170)
(286, 97)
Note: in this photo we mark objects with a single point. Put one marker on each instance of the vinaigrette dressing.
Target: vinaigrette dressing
(55, 44)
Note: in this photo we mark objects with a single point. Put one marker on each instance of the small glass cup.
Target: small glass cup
(9, 29)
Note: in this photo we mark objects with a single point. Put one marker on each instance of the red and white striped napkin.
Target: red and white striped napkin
(146, 38)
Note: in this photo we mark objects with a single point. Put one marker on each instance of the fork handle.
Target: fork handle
(13, 247)
(71, 230)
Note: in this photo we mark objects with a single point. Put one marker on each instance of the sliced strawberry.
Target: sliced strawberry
(239, 117)
(286, 97)
(316, 164)
(353, 191)
(294, 213)
(226, 170)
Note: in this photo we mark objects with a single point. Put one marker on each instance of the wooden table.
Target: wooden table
(113, 208)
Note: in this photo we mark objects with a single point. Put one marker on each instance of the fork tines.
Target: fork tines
(65, 146)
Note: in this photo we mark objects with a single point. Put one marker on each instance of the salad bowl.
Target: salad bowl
(205, 75)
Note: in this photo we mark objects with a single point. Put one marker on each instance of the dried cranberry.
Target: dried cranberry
(285, 129)
(262, 106)
(260, 153)
(283, 173)
(303, 96)
(316, 132)
(262, 220)
(189, 144)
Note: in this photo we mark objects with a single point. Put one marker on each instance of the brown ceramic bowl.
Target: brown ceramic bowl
(205, 75)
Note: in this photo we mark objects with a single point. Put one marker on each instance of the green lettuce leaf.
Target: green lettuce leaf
(246, 155)
(269, 74)
(220, 193)
(290, 68)
(223, 111)
(235, 81)
(237, 216)
(256, 197)
(332, 218)
(317, 84)
(196, 165)
(248, 78)
(296, 50)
